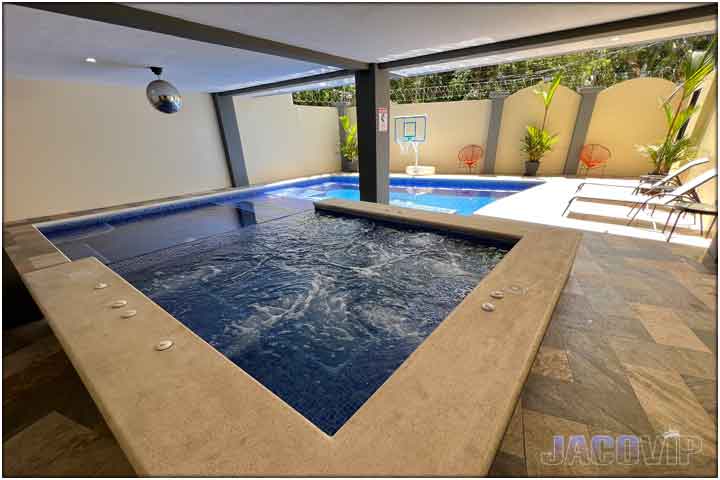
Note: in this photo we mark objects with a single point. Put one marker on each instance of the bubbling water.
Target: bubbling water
(320, 309)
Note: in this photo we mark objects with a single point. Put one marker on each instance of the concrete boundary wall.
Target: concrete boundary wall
(524, 108)
(451, 126)
(626, 115)
(623, 116)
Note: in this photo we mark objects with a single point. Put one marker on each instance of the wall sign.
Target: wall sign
(382, 119)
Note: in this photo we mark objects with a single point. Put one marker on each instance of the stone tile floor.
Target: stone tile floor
(51, 427)
(631, 350)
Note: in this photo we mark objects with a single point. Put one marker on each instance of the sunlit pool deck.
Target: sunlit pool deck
(617, 358)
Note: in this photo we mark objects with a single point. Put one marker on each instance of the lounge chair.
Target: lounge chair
(685, 192)
(651, 183)
(683, 208)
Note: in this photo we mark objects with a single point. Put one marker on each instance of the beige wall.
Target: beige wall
(451, 126)
(281, 140)
(626, 115)
(703, 130)
(71, 146)
(524, 108)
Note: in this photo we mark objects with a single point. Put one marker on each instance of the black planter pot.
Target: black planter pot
(349, 166)
(531, 168)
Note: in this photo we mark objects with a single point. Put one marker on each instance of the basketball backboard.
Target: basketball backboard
(411, 128)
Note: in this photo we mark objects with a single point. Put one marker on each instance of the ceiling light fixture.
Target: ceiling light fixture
(162, 95)
(90, 60)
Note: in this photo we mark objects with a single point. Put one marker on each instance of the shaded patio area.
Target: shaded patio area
(614, 373)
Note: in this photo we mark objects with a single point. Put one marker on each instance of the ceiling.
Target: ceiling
(382, 32)
(45, 45)
(48, 45)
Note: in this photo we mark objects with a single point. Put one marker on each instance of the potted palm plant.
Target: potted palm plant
(675, 147)
(538, 141)
(349, 146)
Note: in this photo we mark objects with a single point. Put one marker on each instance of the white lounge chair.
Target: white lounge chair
(685, 192)
(644, 185)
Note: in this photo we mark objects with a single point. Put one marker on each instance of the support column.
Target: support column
(372, 90)
(582, 123)
(227, 121)
(498, 101)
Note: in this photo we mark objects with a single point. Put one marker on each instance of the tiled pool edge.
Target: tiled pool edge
(129, 211)
(291, 445)
(540, 262)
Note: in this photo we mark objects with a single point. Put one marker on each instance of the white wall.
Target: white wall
(282, 140)
(72, 146)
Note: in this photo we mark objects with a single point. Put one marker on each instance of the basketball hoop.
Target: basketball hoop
(410, 132)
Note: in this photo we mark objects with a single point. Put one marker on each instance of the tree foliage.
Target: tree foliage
(601, 67)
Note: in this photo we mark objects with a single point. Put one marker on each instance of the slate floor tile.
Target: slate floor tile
(653, 355)
(705, 391)
(539, 432)
(552, 362)
(614, 410)
(671, 406)
(55, 446)
(667, 328)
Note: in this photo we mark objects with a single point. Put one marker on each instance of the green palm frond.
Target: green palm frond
(669, 112)
(349, 148)
(696, 67)
(345, 122)
(537, 142)
(548, 98)
(666, 154)
(547, 95)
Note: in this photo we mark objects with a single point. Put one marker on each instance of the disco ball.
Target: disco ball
(163, 96)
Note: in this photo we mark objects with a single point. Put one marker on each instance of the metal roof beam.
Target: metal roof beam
(289, 83)
(562, 36)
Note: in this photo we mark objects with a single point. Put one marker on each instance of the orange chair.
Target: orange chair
(593, 156)
(470, 157)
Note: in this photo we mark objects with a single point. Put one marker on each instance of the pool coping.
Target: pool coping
(175, 412)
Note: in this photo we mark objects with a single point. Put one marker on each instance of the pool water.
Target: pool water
(321, 309)
(461, 201)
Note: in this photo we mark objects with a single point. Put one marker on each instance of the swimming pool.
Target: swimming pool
(320, 309)
(462, 197)
(118, 236)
